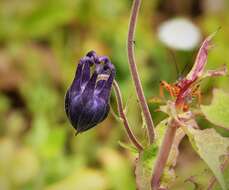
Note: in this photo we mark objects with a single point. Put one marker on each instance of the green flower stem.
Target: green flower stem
(134, 72)
(163, 154)
(122, 115)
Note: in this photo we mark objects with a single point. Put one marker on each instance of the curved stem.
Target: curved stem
(133, 68)
(122, 114)
(163, 154)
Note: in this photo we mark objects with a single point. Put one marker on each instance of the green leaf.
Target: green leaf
(144, 167)
(145, 161)
(210, 146)
(217, 112)
(160, 131)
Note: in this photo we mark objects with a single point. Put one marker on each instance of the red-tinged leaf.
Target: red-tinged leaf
(197, 73)
(201, 59)
(213, 73)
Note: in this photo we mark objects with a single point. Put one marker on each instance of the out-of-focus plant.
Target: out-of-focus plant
(156, 160)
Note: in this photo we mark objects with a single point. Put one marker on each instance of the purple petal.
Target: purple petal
(77, 79)
(91, 53)
(90, 87)
(104, 59)
(100, 84)
(66, 103)
(86, 72)
(105, 92)
(103, 76)
(92, 113)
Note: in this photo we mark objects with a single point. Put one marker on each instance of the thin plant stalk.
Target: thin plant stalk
(133, 67)
(163, 154)
(122, 115)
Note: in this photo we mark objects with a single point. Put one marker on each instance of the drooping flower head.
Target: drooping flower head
(197, 73)
(87, 99)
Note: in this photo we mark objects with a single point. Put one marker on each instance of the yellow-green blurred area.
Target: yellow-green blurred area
(41, 42)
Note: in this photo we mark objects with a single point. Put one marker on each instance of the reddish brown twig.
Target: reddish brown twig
(163, 154)
(134, 72)
(122, 115)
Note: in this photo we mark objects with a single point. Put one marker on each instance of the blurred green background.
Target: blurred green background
(41, 42)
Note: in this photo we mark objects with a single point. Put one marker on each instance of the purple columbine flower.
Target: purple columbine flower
(87, 99)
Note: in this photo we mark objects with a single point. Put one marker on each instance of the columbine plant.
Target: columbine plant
(86, 105)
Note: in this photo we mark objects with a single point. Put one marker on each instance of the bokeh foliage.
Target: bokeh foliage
(40, 44)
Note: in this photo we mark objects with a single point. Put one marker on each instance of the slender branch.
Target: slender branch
(122, 114)
(163, 154)
(134, 73)
(213, 179)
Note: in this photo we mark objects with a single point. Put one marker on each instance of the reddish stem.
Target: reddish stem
(163, 154)
(122, 114)
(134, 72)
